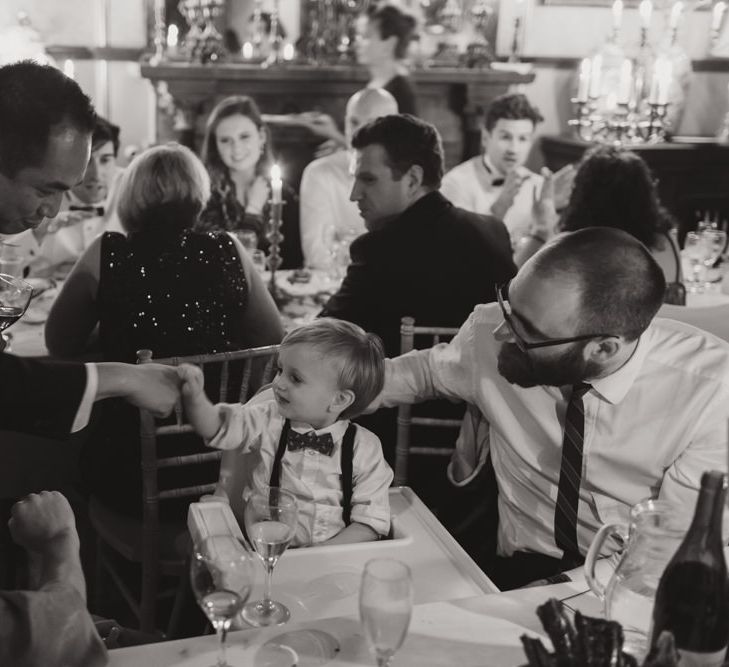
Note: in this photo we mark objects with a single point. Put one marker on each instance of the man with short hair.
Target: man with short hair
(421, 256)
(328, 216)
(497, 182)
(45, 143)
(592, 404)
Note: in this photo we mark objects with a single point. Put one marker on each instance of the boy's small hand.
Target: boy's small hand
(191, 379)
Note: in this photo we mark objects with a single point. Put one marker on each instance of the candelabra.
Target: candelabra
(624, 126)
(275, 238)
(203, 42)
(275, 57)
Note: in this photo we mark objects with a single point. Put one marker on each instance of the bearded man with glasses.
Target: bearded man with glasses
(590, 403)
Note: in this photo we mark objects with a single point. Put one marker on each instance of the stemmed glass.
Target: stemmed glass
(385, 606)
(270, 520)
(221, 575)
(694, 249)
(14, 299)
(714, 243)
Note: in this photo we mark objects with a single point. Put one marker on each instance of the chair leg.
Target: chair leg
(183, 601)
(147, 617)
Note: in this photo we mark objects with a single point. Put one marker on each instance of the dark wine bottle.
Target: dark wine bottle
(692, 599)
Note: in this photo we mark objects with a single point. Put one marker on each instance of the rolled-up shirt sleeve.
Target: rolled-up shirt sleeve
(48, 627)
(372, 479)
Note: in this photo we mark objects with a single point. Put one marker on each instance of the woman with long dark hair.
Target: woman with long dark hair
(237, 154)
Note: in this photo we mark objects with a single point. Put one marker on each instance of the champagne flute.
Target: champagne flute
(385, 606)
(270, 520)
(221, 575)
(15, 296)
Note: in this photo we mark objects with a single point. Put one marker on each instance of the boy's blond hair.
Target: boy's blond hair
(360, 355)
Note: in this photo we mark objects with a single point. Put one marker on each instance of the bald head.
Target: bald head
(366, 105)
(621, 286)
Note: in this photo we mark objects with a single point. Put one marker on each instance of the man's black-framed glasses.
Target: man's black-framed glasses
(502, 295)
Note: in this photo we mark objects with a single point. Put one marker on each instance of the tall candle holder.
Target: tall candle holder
(275, 238)
(275, 57)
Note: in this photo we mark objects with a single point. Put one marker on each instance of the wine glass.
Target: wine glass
(385, 606)
(694, 250)
(221, 575)
(270, 520)
(714, 243)
(258, 259)
(14, 299)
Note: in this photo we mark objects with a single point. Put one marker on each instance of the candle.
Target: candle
(69, 69)
(675, 15)
(247, 50)
(625, 87)
(173, 33)
(595, 76)
(645, 9)
(583, 83)
(288, 52)
(717, 14)
(276, 184)
(617, 14)
(661, 81)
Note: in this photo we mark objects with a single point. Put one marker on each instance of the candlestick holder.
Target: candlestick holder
(275, 57)
(515, 42)
(275, 238)
(656, 131)
(583, 123)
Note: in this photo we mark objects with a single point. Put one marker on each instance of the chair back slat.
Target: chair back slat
(223, 390)
(404, 446)
(187, 491)
(245, 380)
(189, 459)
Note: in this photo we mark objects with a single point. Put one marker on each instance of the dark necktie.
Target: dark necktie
(324, 443)
(570, 474)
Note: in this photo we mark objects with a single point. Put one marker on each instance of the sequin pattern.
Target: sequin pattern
(176, 296)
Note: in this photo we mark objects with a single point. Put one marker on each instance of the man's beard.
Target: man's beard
(522, 369)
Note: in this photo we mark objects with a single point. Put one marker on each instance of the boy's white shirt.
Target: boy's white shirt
(250, 434)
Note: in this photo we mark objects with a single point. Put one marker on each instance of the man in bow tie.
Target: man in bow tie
(497, 182)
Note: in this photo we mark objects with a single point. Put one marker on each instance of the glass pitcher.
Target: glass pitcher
(655, 532)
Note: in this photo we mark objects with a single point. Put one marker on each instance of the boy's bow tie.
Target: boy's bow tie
(324, 443)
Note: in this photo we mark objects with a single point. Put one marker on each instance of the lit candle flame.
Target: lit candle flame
(288, 52)
(173, 33)
(248, 50)
(675, 15)
(717, 14)
(617, 14)
(276, 184)
(69, 69)
(645, 9)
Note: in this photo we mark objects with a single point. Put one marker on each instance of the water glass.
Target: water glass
(221, 576)
(695, 251)
(385, 606)
(11, 261)
(270, 519)
(248, 239)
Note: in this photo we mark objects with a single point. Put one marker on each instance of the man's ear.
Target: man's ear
(342, 400)
(602, 350)
(414, 176)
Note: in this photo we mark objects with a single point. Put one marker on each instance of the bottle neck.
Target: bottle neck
(706, 526)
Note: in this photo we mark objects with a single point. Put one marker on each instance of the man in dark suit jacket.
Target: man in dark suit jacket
(46, 123)
(421, 256)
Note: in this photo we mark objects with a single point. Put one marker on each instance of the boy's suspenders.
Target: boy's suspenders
(347, 456)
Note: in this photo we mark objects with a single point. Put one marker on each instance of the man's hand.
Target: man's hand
(564, 180)
(544, 213)
(41, 519)
(512, 184)
(154, 387)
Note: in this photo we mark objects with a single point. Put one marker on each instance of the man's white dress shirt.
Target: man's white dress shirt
(326, 212)
(253, 431)
(469, 185)
(651, 428)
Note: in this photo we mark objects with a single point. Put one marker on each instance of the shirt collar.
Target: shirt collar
(615, 386)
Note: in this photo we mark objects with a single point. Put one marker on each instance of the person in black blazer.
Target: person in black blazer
(421, 256)
(47, 124)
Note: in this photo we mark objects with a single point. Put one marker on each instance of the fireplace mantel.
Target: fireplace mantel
(453, 99)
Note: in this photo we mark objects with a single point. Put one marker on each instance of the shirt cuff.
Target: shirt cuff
(87, 400)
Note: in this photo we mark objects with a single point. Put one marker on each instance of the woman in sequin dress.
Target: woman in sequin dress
(163, 287)
(237, 154)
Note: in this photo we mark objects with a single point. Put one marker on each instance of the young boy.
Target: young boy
(329, 371)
